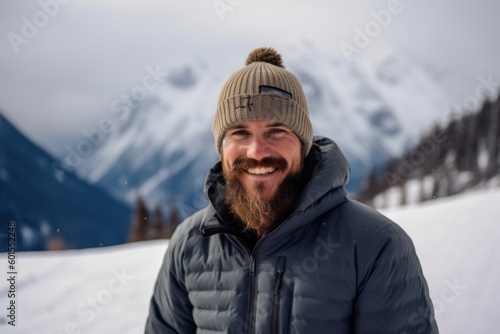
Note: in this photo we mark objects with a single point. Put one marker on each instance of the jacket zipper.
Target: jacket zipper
(280, 269)
(253, 265)
(251, 299)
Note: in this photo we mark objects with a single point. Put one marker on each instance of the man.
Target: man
(280, 248)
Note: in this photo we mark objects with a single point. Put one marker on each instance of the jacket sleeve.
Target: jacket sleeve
(170, 309)
(393, 296)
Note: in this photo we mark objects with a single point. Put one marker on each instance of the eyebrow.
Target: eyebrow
(241, 126)
(237, 126)
(275, 124)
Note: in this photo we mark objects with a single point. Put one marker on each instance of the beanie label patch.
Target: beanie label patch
(263, 89)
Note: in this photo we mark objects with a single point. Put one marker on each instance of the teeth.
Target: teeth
(261, 170)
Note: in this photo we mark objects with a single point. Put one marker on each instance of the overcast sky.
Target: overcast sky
(62, 77)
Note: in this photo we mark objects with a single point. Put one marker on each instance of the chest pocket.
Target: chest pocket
(282, 299)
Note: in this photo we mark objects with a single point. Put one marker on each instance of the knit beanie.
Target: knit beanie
(263, 90)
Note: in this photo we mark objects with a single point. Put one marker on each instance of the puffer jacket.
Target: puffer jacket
(334, 266)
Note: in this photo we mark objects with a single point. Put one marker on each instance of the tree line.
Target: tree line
(153, 225)
(451, 158)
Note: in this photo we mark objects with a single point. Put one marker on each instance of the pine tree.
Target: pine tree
(460, 142)
(367, 188)
(158, 225)
(472, 146)
(140, 222)
(493, 140)
(174, 219)
(496, 153)
(404, 194)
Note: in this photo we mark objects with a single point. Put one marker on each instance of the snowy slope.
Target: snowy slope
(108, 290)
(166, 146)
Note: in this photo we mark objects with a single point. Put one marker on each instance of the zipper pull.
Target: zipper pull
(280, 269)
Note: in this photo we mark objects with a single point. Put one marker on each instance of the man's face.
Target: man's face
(260, 155)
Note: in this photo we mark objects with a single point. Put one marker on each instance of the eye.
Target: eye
(239, 133)
(276, 131)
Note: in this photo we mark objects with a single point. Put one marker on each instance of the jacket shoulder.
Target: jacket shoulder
(364, 222)
(373, 236)
(188, 229)
(391, 289)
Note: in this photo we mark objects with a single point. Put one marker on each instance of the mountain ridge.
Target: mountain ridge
(47, 205)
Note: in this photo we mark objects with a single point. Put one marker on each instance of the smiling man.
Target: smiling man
(281, 248)
(262, 165)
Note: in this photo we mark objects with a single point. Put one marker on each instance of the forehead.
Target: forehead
(257, 124)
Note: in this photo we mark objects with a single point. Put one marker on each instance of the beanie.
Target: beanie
(263, 90)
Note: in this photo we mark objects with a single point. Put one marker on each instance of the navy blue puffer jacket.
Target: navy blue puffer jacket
(334, 266)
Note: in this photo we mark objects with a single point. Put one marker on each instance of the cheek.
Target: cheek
(226, 166)
(293, 150)
(293, 155)
(296, 166)
(227, 156)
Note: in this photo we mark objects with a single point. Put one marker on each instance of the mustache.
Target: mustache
(242, 164)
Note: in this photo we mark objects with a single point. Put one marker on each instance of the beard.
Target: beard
(254, 211)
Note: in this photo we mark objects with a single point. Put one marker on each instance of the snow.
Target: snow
(400, 80)
(108, 290)
(483, 157)
(463, 178)
(428, 185)
(413, 191)
(84, 291)
(165, 122)
(494, 182)
(389, 198)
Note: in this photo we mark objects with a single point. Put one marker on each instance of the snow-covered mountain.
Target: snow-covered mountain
(107, 290)
(49, 206)
(166, 145)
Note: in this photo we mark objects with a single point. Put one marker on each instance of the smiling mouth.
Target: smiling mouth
(261, 170)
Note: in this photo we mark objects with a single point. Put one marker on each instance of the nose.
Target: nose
(258, 149)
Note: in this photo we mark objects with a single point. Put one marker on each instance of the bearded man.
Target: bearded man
(281, 248)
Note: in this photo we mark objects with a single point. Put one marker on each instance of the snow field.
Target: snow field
(108, 290)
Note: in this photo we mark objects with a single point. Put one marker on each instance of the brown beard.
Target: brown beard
(255, 212)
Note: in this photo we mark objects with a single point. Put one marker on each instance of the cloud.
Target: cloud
(92, 51)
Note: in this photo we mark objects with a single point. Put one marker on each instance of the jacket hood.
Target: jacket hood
(324, 191)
